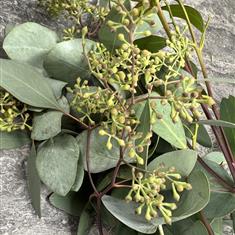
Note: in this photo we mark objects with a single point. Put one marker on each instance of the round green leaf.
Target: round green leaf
(66, 61)
(71, 203)
(12, 140)
(26, 84)
(183, 160)
(216, 208)
(101, 158)
(167, 129)
(125, 212)
(57, 86)
(57, 161)
(29, 42)
(194, 200)
(48, 124)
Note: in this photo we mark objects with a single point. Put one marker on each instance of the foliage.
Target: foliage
(115, 117)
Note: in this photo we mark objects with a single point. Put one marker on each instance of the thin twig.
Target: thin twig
(206, 223)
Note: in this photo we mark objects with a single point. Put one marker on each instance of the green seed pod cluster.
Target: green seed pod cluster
(142, 13)
(186, 99)
(13, 114)
(117, 68)
(75, 11)
(146, 191)
(114, 115)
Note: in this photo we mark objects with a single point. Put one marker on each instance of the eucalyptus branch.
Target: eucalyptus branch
(206, 223)
(77, 120)
(220, 136)
(88, 144)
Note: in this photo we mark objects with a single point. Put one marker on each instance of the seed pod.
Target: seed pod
(121, 37)
(135, 12)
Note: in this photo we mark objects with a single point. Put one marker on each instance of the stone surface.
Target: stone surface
(16, 214)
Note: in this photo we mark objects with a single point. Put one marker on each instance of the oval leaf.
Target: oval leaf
(227, 108)
(167, 129)
(70, 203)
(26, 84)
(194, 16)
(66, 61)
(48, 124)
(14, 139)
(217, 123)
(203, 138)
(151, 43)
(183, 160)
(101, 158)
(86, 220)
(125, 212)
(29, 43)
(79, 177)
(34, 183)
(57, 161)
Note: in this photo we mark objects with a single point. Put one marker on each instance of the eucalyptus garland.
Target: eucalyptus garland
(116, 113)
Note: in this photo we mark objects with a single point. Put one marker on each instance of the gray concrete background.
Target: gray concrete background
(16, 214)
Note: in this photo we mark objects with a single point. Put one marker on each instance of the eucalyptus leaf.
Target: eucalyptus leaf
(220, 123)
(214, 185)
(217, 226)
(203, 137)
(108, 38)
(189, 226)
(71, 203)
(101, 158)
(144, 127)
(79, 177)
(219, 193)
(14, 139)
(183, 160)
(48, 124)
(86, 220)
(151, 43)
(29, 43)
(217, 209)
(66, 61)
(57, 161)
(57, 86)
(26, 84)
(34, 183)
(227, 108)
(125, 212)
(193, 15)
(217, 157)
(197, 228)
(167, 129)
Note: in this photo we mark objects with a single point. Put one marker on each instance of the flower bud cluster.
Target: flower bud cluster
(140, 14)
(13, 114)
(74, 11)
(118, 69)
(186, 99)
(146, 191)
(114, 115)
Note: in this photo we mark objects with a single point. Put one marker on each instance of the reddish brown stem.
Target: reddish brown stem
(206, 223)
(222, 143)
(218, 177)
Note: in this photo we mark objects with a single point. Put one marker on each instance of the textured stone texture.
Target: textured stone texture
(16, 214)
